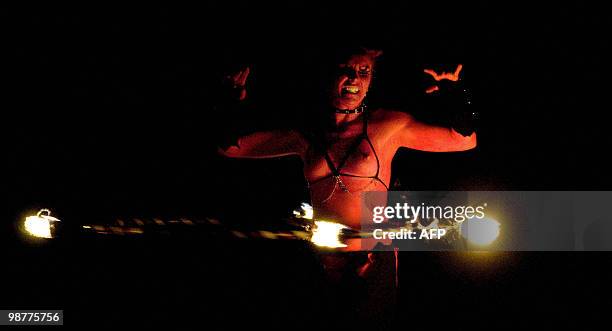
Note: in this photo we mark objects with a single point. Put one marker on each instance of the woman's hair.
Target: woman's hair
(343, 53)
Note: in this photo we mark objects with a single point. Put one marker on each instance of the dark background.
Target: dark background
(107, 112)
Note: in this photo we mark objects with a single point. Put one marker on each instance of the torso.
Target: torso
(329, 200)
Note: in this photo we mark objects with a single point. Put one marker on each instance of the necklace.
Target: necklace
(360, 109)
(336, 170)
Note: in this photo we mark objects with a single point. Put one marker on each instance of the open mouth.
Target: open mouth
(349, 89)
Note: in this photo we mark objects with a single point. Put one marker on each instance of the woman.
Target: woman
(353, 154)
(344, 153)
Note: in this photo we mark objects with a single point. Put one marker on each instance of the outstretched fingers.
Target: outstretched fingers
(452, 76)
(242, 76)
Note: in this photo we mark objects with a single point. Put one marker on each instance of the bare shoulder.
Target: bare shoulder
(389, 118)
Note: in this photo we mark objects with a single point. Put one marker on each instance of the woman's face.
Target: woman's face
(351, 82)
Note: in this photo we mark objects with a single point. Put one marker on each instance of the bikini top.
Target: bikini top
(336, 172)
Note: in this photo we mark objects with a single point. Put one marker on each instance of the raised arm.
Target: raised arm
(236, 137)
(267, 144)
(424, 137)
(432, 138)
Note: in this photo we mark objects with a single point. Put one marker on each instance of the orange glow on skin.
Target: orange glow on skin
(432, 89)
(452, 76)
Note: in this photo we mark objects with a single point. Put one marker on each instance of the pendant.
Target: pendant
(341, 184)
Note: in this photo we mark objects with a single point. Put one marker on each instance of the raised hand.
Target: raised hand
(449, 76)
(238, 82)
(450, 98)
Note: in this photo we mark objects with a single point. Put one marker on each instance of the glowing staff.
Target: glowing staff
(40, 225)
(481, 232)
(328, 234)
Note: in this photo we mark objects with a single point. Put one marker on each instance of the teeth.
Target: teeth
(351, 89)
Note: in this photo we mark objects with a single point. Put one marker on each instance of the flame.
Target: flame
(480, 231)
(306, 211)
(327, 234)
(40, 225)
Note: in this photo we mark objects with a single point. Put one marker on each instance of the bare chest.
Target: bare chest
(357, 154)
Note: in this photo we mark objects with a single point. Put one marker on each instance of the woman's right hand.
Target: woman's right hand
(237, 81)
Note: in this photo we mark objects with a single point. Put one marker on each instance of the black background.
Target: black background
(107, 112)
